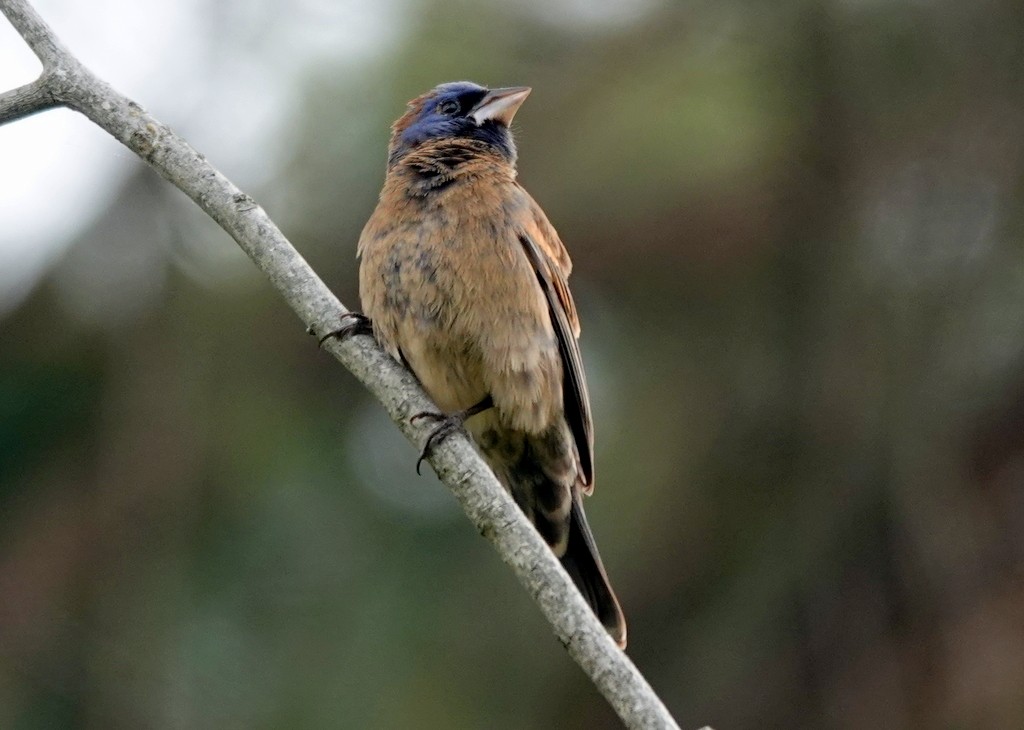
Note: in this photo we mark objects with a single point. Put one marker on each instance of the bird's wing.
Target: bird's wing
(552, 265)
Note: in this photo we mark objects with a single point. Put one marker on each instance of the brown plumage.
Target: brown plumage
(465, 280)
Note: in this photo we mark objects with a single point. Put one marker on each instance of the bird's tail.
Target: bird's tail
(583, 564)
(539, 470)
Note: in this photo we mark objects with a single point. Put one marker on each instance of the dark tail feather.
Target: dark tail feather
(583, 563)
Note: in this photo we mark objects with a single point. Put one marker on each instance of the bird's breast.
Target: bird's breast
(450, 289)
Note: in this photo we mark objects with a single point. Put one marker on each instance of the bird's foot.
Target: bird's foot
(356, 324)
(447, 424)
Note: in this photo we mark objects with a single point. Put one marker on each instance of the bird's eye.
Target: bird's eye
(448, 107)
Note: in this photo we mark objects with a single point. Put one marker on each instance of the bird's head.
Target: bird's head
(459, 110)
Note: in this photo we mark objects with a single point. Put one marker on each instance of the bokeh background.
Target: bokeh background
(798, 233)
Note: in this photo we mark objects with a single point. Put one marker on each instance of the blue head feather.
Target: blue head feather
(444, 113)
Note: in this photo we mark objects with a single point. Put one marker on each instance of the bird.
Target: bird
(463, 279)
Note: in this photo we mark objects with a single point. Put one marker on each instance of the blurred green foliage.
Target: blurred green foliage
(797, 232)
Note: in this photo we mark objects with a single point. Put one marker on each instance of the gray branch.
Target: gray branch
(66, 82)
(25, 100)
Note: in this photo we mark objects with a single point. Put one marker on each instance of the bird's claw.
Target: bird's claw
(358, 324)
(446, 426)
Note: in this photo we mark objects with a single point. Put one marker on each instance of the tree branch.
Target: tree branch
(26, 100)
(66, 82)
(36, 33)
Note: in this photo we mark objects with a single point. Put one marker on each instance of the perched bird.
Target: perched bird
(464, 280)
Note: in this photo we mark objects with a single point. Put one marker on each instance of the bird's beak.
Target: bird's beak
(500, 105)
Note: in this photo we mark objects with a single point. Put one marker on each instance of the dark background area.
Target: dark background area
(797, 232)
